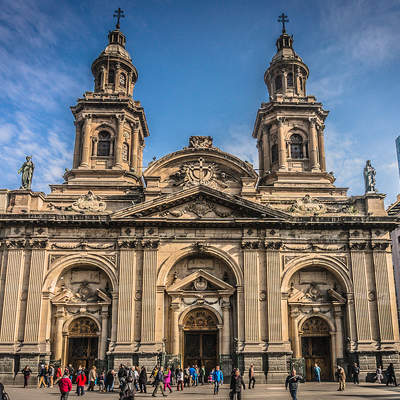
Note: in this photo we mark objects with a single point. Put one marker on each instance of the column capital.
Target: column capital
(175, 307)
(312, 120)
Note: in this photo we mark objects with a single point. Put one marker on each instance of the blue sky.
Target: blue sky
(201, 67)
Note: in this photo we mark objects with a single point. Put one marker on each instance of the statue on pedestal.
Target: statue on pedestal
(369, 177)
(27, 172)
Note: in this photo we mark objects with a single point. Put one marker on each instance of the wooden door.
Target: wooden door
(316, 349)
(201, 348)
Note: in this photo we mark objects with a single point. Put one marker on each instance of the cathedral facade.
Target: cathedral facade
(198, 258)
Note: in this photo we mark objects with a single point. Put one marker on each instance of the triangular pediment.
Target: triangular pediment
(200, 281)
(200, 203)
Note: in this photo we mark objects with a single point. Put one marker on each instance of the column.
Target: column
(250, 268)
(339, 331)
(134, 144)
(118, 144)
(86, 142)
(267, 158)
(240, 313)
(260, 157)
(383, 290)
(175, 328)
(114, 317)
(274, 300)
(295, 332)
(149, 296)
(35, 308)
(226, 328)
(104, 332)
(126, 296)
(12, 294)
(359, 273)
(78, 127)
(282, 146)
(321, 146)
(58, 345)
(313, 145)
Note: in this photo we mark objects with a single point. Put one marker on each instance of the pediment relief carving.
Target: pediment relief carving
(200, 202)
(83, 295)
(201, 172)
(199, 281)
(200, 208)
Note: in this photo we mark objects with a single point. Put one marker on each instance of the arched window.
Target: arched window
(122, 80)
(290, 79)
(111, 76)
(104, 144)
(278, 83)
(296, 146)
(274, 153)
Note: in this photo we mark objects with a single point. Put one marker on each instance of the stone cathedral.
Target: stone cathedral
(198, 258)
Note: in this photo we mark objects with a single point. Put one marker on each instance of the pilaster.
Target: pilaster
(86, 141)
(149, 292)
(250, 272)
(12, 292)
(384, 290)
(359, 274)
(34, 303)
(126, 295)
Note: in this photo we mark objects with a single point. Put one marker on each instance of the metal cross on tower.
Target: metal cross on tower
(283, 19)
(119, 14)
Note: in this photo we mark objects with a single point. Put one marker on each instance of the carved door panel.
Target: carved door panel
(317, 350)
(201, 348)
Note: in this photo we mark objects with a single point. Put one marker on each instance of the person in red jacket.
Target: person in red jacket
(65, 386)
(80, 384)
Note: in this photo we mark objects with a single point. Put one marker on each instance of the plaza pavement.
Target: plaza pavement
(307, 391)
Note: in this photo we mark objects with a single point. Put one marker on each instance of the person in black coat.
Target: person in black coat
(236, 385)
(292, 381)
(390, 375)
(356, 372)
(143, 380)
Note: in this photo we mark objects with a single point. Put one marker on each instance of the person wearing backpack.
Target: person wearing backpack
(65, 386)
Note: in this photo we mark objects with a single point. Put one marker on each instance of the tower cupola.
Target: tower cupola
(287, 74)
(113, 70)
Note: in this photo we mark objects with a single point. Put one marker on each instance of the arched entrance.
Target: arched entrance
(316, 347)
(83, 342)
(200, 339)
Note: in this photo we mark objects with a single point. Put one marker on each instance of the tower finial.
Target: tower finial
(283, 19)
(118, 14)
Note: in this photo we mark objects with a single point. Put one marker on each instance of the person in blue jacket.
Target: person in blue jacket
(218, 379)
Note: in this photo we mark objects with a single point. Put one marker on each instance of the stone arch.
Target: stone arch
(68, 262)
(211, 251)
(328, 321)
(73, 318)
(188, 310)
(337, 268)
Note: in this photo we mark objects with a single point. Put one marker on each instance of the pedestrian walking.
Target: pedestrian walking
(292, 382)
(42, 376)
(102, 379)
(317, 372)
(167, 379)
(51, 375)
(92, 378)
(128, 388)
(59, 374)
(27, 374)
(236, 386)
(391, 375)
(179, 380)
(65, 386)
(109, 382)
(341, 377)
(80, 383)
(356, 372)
(186, 377)
(202, 374)
(379, 374)
(143, 380)
(218, 379)
(158, 382)
(252, 378)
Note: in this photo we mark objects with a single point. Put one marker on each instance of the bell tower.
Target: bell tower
(290, 128)
(110, 125)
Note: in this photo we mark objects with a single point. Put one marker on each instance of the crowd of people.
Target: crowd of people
(130, 380)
